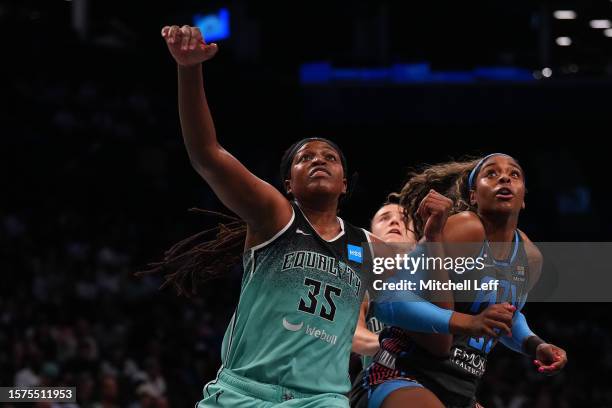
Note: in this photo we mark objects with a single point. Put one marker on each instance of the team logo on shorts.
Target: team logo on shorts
(355, 253)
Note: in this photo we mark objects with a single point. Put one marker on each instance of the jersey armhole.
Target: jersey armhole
(369, 238)
(275, 237)
(251, 251)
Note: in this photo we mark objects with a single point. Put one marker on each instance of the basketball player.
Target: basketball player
(488, 196)
(289, 339)
(389, 225)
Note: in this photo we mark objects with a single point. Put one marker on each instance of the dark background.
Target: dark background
(96, 183)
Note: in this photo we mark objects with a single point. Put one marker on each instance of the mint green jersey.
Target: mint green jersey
(298, 308)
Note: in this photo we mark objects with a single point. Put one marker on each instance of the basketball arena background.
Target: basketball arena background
(96, 182)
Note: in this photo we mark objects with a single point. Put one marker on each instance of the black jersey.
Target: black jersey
(455, 379)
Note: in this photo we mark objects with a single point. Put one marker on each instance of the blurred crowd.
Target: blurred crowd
(90, 198)
(72, 314)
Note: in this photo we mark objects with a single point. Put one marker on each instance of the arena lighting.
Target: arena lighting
(564, 41)
(600, 24)
(323, 72)
(565, 14)
(547, 72)
(608, 32)
(214, 27)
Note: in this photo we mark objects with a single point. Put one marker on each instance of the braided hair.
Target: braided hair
(212, 253)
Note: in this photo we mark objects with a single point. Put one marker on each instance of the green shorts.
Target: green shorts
(231, 390)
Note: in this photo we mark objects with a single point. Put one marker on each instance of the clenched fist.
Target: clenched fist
(434, 210)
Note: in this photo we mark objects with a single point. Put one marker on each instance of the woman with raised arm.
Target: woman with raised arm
(289, 339)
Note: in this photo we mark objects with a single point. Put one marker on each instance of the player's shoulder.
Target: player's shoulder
(535, 259)
(353, 232)
(464, 226)
(534, 255)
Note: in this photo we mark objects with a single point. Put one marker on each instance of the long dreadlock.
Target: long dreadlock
(212, 253)
(199, 258)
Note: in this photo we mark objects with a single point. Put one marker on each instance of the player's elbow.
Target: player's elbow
(199, 164)
(358, 346)
(205, 161)
(365, 342)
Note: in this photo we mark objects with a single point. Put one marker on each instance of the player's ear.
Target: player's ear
(287, 184)
(473, 198)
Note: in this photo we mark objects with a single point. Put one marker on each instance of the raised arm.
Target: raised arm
(261, 206)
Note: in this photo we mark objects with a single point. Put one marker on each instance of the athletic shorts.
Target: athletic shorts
(231, 390)
(366, 396)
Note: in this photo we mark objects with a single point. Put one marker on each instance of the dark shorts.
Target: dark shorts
(366, 395)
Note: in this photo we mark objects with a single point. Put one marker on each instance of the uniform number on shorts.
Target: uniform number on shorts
(310, 305)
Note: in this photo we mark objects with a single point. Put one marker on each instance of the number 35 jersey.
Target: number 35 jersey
(298, 308)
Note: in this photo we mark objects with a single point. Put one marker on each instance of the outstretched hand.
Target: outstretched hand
(187, 45)
(550, 359)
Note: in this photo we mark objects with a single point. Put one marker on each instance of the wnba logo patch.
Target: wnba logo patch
(355, 253)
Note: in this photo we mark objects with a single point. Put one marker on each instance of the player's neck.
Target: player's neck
(500, 234)
(322, 217)
(500, 229)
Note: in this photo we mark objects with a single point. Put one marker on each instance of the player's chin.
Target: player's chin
(506, 206)
(393, 238)
(324, 185)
